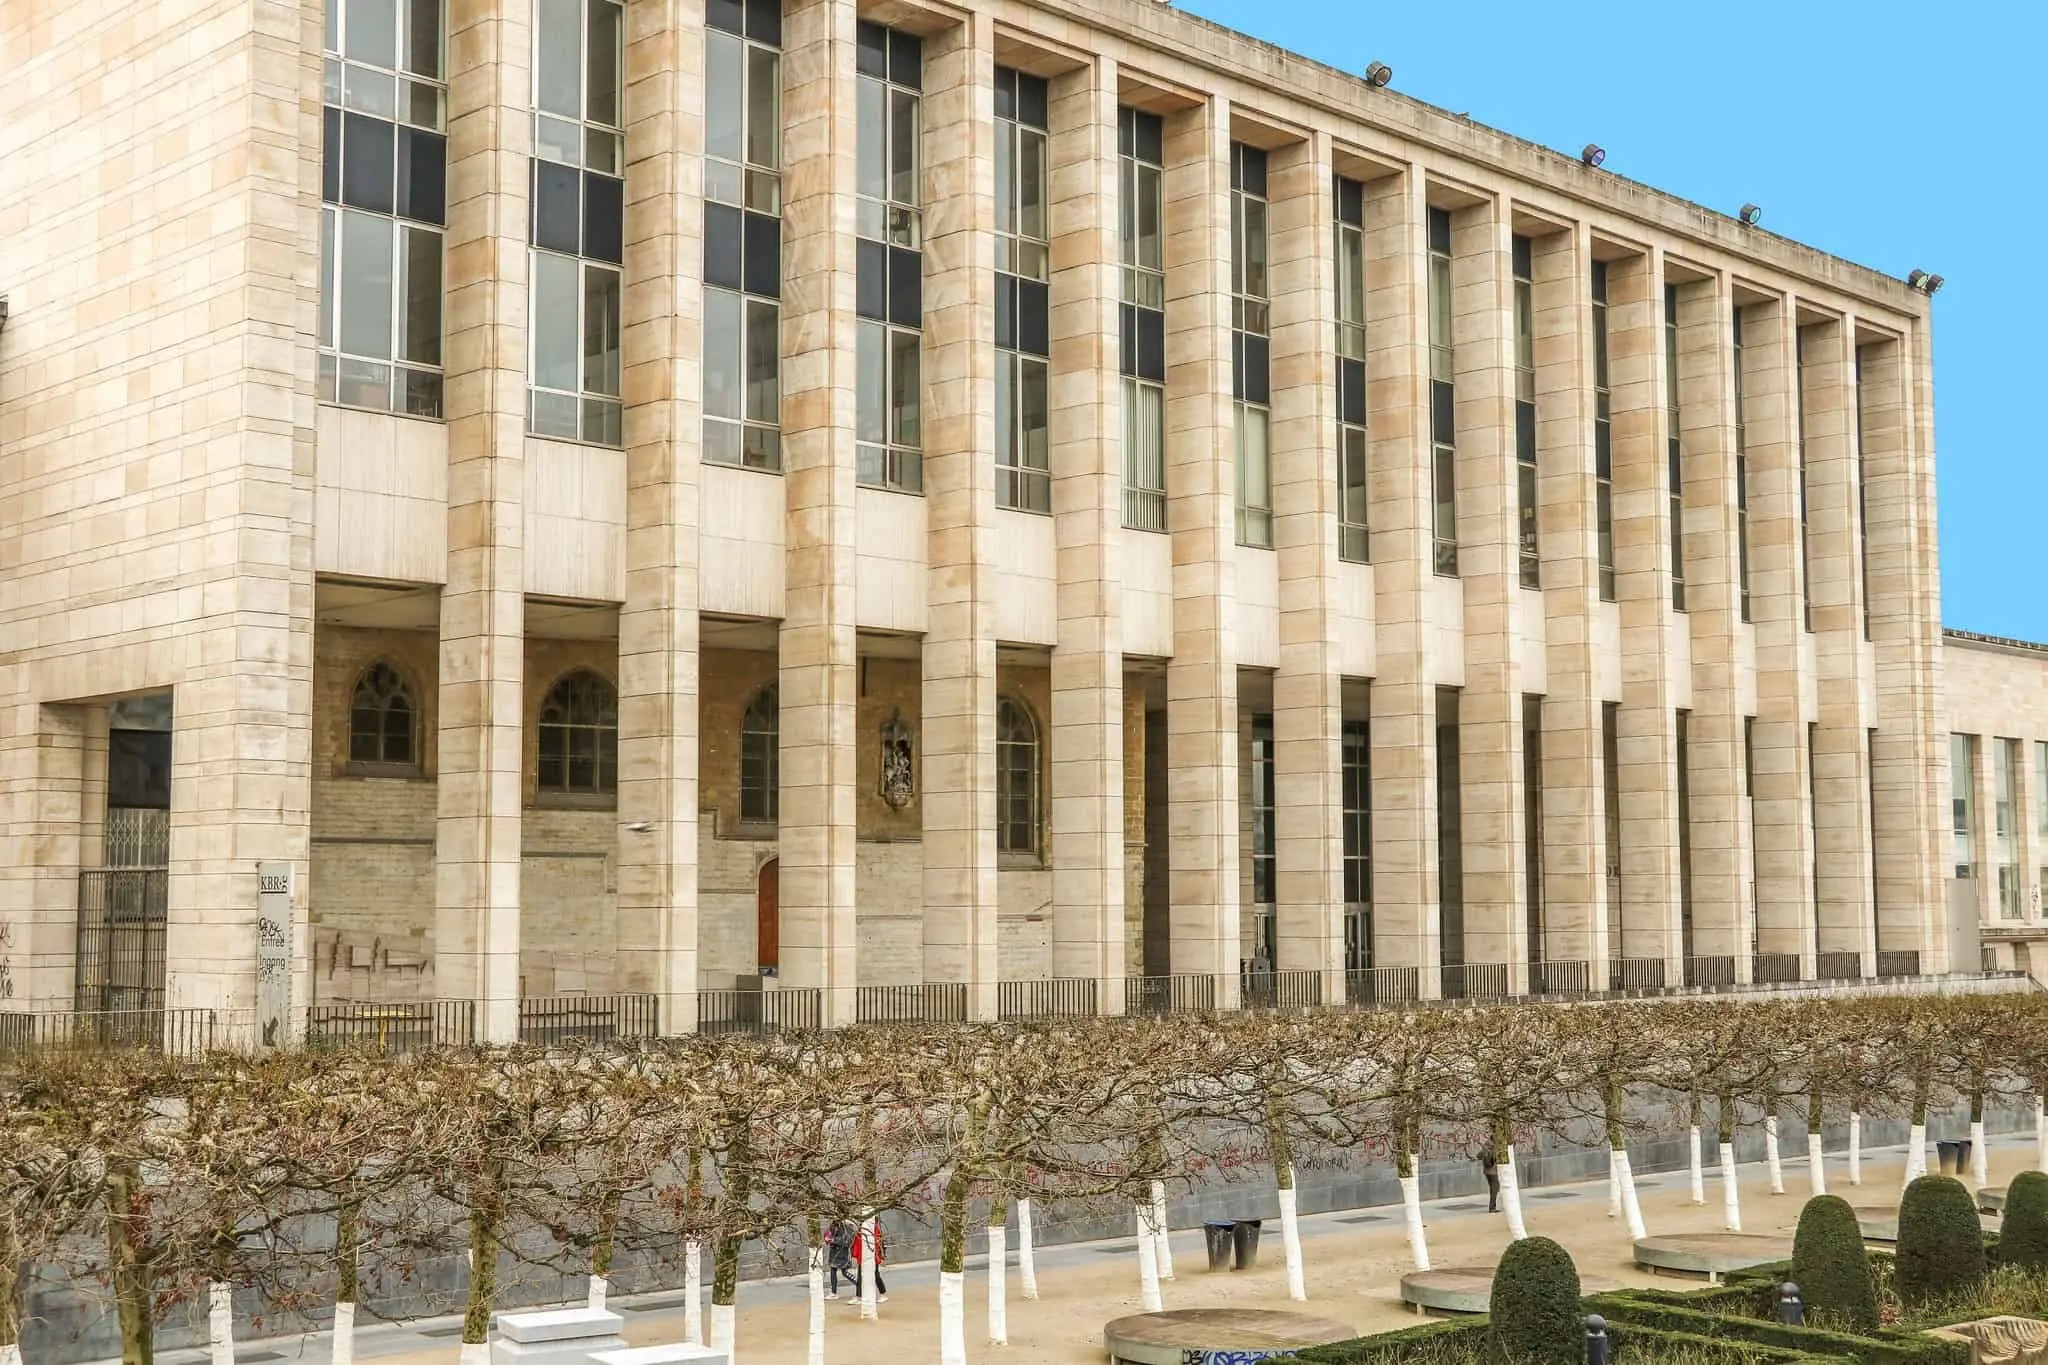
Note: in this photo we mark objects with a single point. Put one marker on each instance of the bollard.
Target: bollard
(1791, 1311)
(1596, 1340)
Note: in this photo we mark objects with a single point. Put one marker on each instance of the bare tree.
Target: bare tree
(50, 1181)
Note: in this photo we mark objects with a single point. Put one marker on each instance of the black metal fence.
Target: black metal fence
(1775, 969)
(1838, 967)
(785, 1010)
(930, 1002)
(122, 916)
(552, 1019)
(1376, 987)
(1187, 993)
(405, 1027)
(1053, 997)
(1635, 974)
(1474, 980)
(1560, 978)
(1713, 973)
(1899, 963)
(1280, 990)
(178, 1032)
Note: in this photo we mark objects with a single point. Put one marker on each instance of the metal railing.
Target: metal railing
(1560, 978)
(404, 1027)
(173, 1032)
(1987, 957)
(1635, 974)
(123, 914)
(1710, 972)
(1289, 990)
(785, 1010)
(1052, 997)
(930, 1002)
(1838, 966)
(1189, 993)
(1474, 980)
(550, 1020)
(1774, 969)
(1904, 962)
(1377, 987)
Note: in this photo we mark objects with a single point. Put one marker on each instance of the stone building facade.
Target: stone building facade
(1997, 714)
(826, 494)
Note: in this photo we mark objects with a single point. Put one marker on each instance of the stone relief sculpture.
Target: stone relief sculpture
(899, 783)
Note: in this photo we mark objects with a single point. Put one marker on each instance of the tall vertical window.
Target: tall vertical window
(577, 228)
(1016, 778)
(1023, 302)
(1450, 846)
(1603, 435)
(1610, 823)
(1805, 541)
(1962, 779)
(1813, 806)
(1141, 247)
(761, 758)
(1532, 821)
(1353, 497)
(2005, 776)
(1862, 496)
(1265, 865)
(1524, 252)
(1674, 472)
(1741, 473)
(743, 233)
(1684, 792)
(384, 201)
(1443, 404)
(1749, 821)
(1870, 814)
(2040, 816)
(1357, 780)
(889, 259)
(1251, 345)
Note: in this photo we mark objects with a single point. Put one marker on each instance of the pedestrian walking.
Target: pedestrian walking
(1490, 1168)
(839, 1254)
(865, 1249)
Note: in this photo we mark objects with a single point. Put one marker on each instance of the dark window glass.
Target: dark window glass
(1006, 312)
(1248, 170)
(1351, 201)
(1443, 426)
(557, 208)
(906, 59)
(1127, 333)
(423, 176)
(368, 151)
(1525, 431)
(1152, 345)
(871, 279)
(764, 21)
(871, 50)
(1440, 230)
(722, 237)
(579, 736)
(381, 716)
(906, 287)
(604, 211)
(727, 15)
(1034, 308)
(1351, 391)
(764, 255)
(1525, 254)
(330, 155)
(760, 742)
(1031, 100)
(1258, 368)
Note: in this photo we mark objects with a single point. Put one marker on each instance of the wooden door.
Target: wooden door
(768, 916)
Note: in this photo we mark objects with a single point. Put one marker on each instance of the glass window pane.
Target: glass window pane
(905, 375)
(904, 150)
(1006, 176)
(1031, 155)
(553, 322)
(1033, 414)
(422, 176)
(764, 349)
(420, 323)
(1151, 209)
(764, 108)
(722, 344)
(601, 330)
(1006, 413)
(724, 98)
(327, 299)
(558, 57)
(423, 38)
(604, 218)
(373, 32)
(872, 380)
(368, 162)
(602, 93)
(366, 285)
(871, 139)
(372, 92)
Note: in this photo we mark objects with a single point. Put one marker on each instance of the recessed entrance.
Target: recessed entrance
(768, 916)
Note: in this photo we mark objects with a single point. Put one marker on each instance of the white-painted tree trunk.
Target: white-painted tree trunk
(600, 1289)
(1613, 1186)
(1162, 1230)
(998, 1285)
(815, 1285)
(2040, 1133)
(1980, 1156)
(1290, 1243)
(1731, 1195)
(1773, 1159)
(1411, 1215)
(1511, 1197)
(1699, 1182)
(220, 1322)
(693, 1293)
(1027, 1269)
(1623, 1176)
(1148, 1263)
(1916, 1152)
(1855, 1148)
(1816, 1166)
(475, 1353)
(870, 1271)
(952, 1318)
(341, 1350)
(10, 1354)
(722, 1323)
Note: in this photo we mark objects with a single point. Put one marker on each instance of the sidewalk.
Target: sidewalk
(1353, 1263)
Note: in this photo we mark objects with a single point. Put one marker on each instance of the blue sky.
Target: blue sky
(1898, 136)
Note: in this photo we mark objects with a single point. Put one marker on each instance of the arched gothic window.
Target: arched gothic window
(1016, 778)
(579, 736)
(760, 759)
(383, 722)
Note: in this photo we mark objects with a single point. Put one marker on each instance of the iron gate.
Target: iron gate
(122, 912)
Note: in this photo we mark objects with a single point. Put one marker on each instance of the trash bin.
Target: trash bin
(1244, 1241)
(1963, 1149)
(1945, 1156)
(1219, 1239)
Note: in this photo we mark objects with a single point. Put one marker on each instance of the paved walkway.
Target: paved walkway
(1353, 1260)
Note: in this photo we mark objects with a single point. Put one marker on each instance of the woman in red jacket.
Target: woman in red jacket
(861, 1248)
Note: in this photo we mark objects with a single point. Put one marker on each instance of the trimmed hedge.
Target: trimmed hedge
(1637, 1345)
(1535, 1306)
(1830, 1265)
(1941, 1242)
(2023, 1227)
(1874, 1348)
(1396, 1346)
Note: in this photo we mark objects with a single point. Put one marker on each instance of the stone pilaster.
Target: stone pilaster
(818, 676)
(1201, 681)
(1784, 842)
(1407, 921)
(1713, 595)
(1490, 772)
(483, 605)
(1089, 705)
(1308, 693)
(43, 762)
(658, 644)
(1652, 904)
(959, 383)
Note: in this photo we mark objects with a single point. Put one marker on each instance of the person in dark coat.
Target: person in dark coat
(838, 1254)
(1490, 1168)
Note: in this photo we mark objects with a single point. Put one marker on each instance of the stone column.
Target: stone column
(1574, 816)
(1489, 564)
(959, 383)
(1843, 920)
(658, 645)
(1407, 921)
(483, 604)
(1784, 844)
(1201, 681)
(1651, 887)
(1308, 693)
(1713, 596)
(818, 677)
(1088, 700)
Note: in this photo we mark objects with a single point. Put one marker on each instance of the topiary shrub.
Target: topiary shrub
(1830, 1265)
(2023, 1227)
(1941, 1243)
(1533, 1317)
